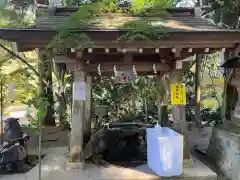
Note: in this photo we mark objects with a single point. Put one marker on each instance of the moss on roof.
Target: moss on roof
(119, 21)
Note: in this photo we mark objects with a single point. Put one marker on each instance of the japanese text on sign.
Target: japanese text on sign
(178, 94)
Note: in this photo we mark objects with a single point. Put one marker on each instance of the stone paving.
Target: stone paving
(52, 162)
(54, 166)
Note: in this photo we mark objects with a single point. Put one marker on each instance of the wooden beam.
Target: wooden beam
(162, 44)
(63, 59)
(135, 57)
(160, 51)
(109, 74)
(79, 54)
(178, 52)
(140, 67)
(217, 44)
(39, 35)
(128, 58)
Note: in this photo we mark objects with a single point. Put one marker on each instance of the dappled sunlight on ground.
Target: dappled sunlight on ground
(50, 168)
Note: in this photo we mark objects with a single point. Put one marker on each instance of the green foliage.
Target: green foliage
(42, 105)
(10, 18)
(14, 14)
(210, 90)
(150, 8)
(210, 115)
(226, 12)
(125, 99)
(83, 19)
(89, 15)
(21, 5)
(12, 70)
(141, 30)
(42, 109)
(70, 39)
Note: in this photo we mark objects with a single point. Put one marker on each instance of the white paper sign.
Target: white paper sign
(179, 64)
(80, 91)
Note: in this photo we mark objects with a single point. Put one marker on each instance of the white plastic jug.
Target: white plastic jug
(165, 151)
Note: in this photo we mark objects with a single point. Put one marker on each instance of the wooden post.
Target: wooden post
(180, 123)
(76, 139)
(88, 105)
(162, 100)
(198, 89)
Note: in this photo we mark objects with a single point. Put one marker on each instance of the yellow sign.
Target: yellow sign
(178, 94)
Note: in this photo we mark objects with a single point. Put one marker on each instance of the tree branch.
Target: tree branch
(20, 58)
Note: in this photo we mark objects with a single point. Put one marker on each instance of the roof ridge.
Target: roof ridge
(175, 10)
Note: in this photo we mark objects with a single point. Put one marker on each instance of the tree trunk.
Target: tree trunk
(45, 71)
(198, 89)
(179, 121)
(61, 69)
(88, 108)
(164, 116)
(162, 100)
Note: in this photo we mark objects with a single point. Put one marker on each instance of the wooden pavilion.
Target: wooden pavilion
(188, 34)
